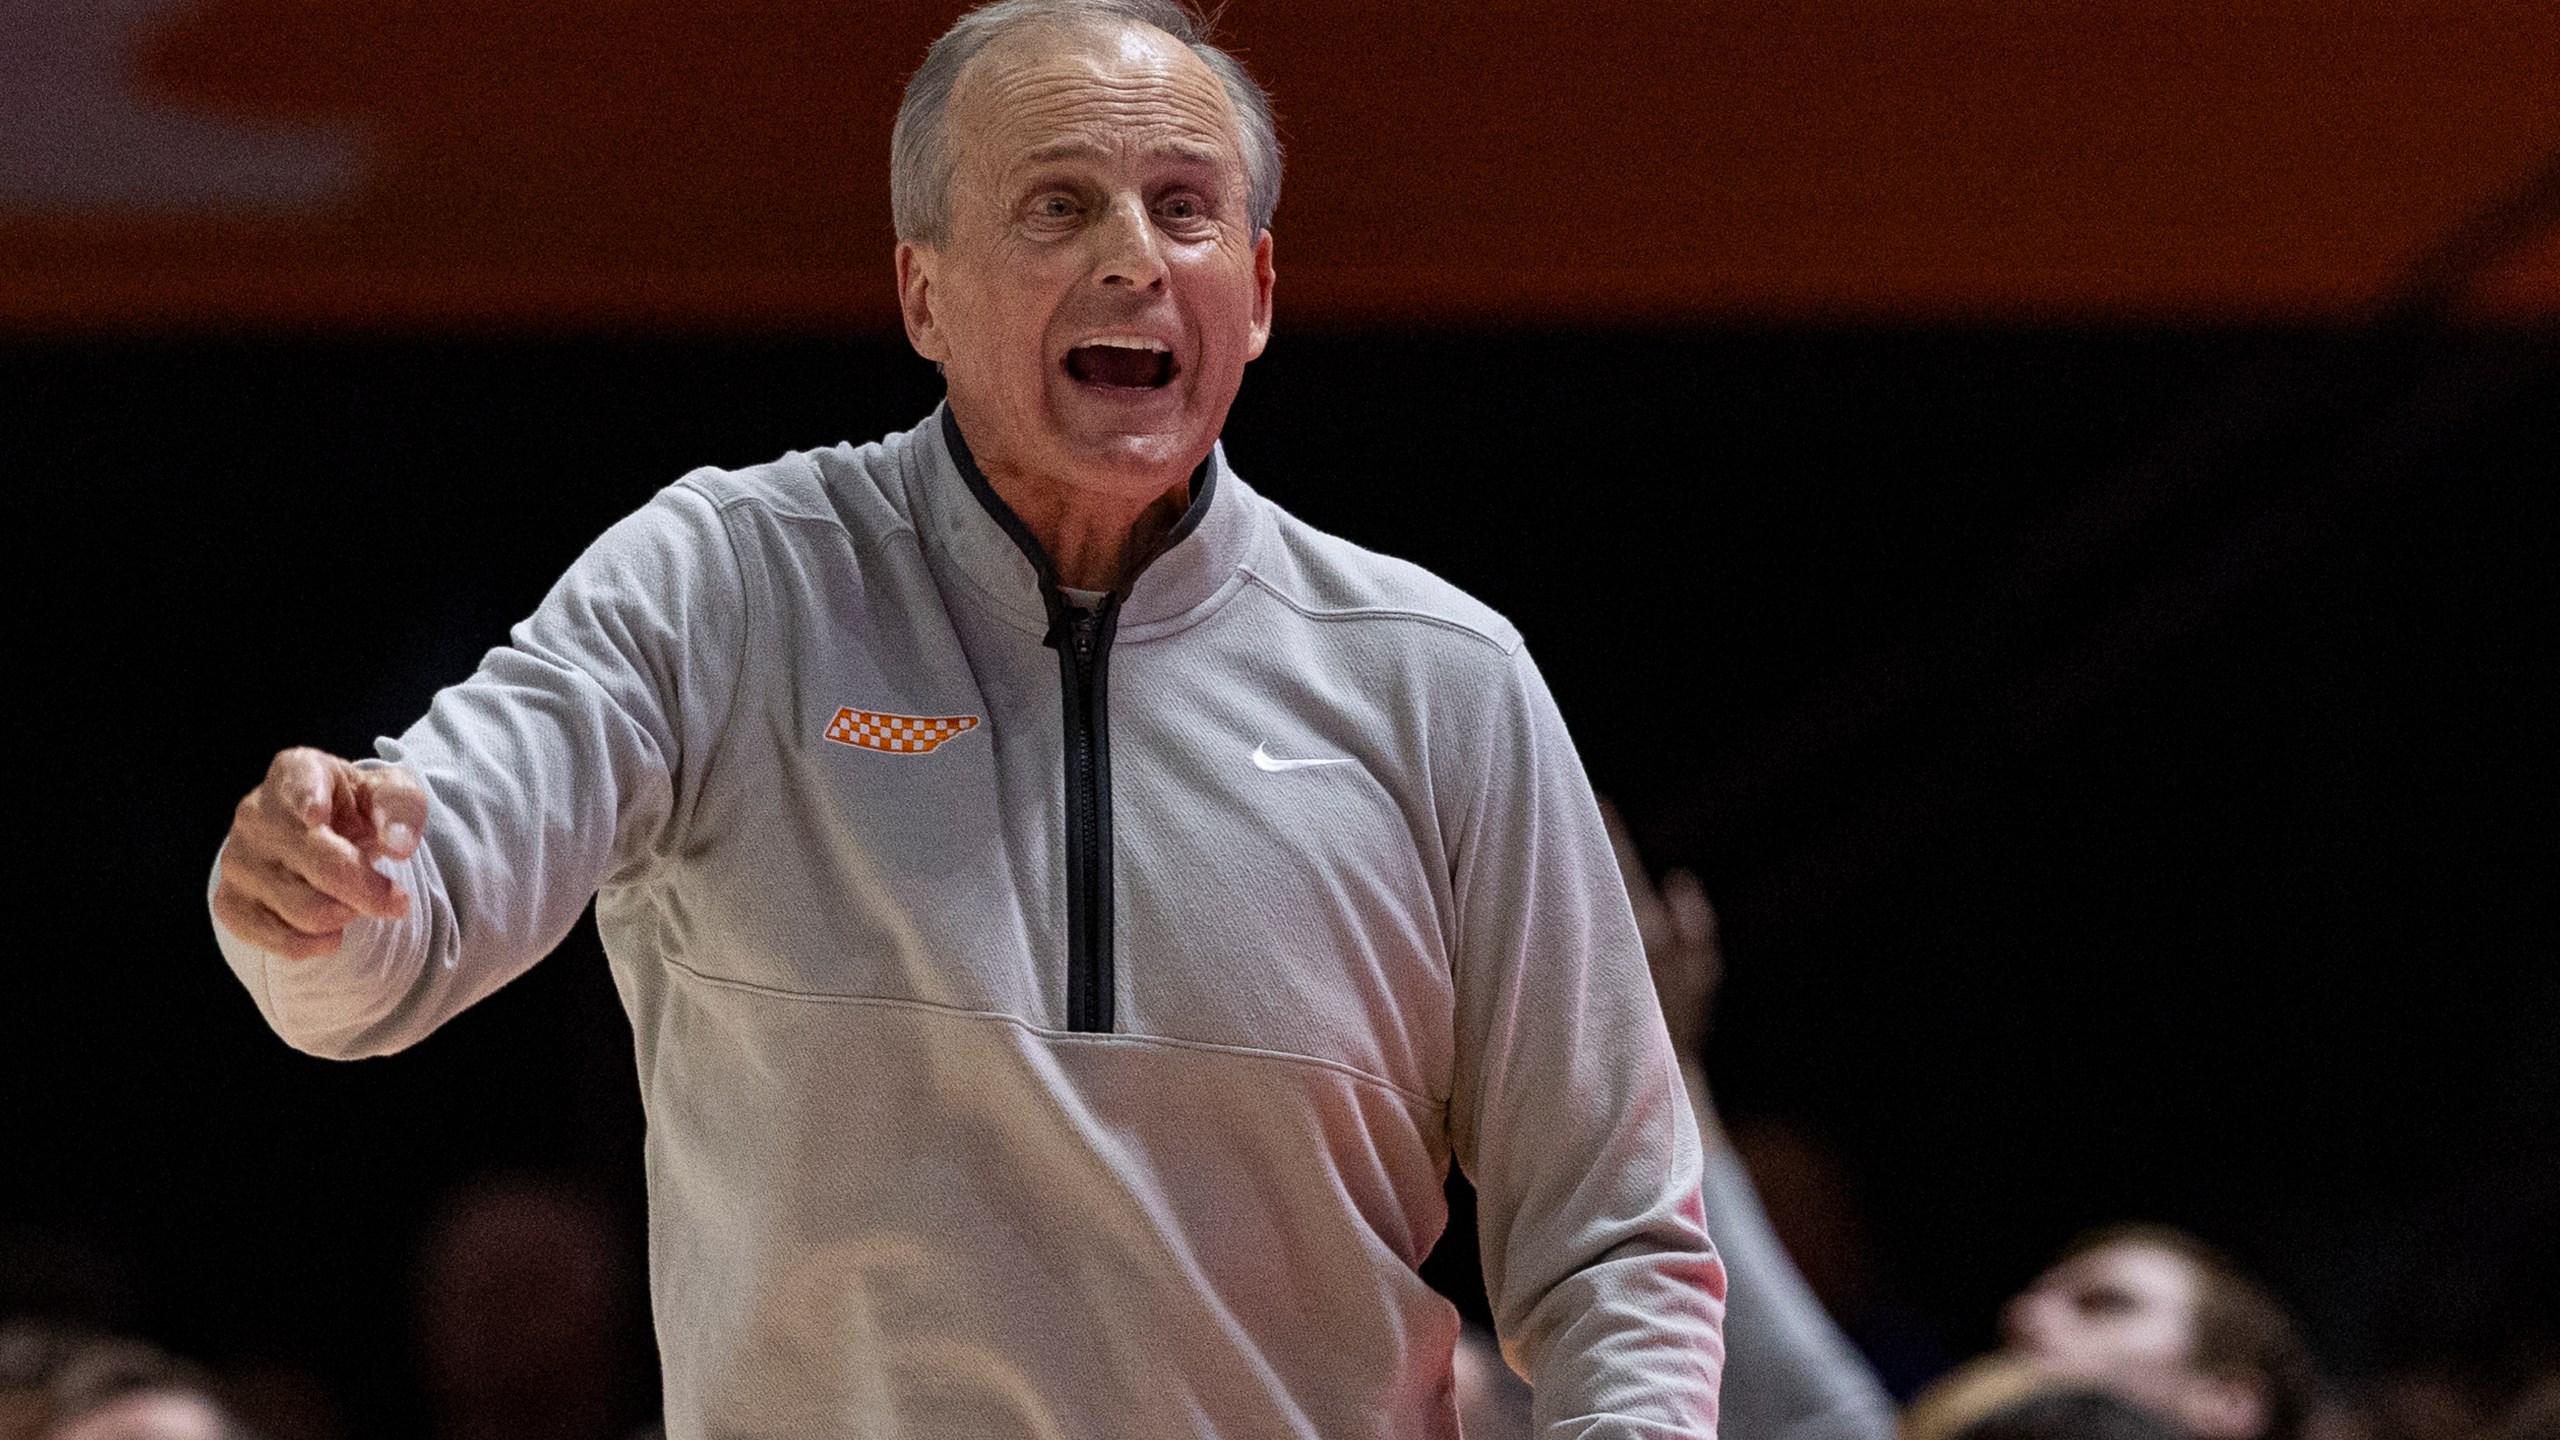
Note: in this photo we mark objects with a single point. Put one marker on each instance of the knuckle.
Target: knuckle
(321, 915)
(323, 875)
(291, 899)
(314, 857)
(333, 859)
(247, 879)
(314, 912)
(307, 844)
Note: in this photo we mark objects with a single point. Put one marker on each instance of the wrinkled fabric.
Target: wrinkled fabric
(891, 1194)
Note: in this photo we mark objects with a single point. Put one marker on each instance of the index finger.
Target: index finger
(303, 782)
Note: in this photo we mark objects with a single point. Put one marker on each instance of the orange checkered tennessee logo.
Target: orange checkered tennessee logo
(896, 734)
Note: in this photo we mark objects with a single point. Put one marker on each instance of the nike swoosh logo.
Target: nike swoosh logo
(1265, 760)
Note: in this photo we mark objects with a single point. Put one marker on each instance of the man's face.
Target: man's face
(2122, 1317)
(2117, 1312)
(150, 1415)
(1100, 287)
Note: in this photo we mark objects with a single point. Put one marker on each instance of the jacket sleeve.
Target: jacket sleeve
(1567, 1109)
(562, 765)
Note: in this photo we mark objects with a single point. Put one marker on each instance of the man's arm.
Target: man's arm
(1568, 1113)
(363, 904)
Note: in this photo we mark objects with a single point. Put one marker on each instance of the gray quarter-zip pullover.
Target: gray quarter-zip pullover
(1002, 1087)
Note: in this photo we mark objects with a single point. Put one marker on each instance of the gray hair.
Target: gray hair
(921, 162)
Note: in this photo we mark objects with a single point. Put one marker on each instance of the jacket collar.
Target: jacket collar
(962, 517)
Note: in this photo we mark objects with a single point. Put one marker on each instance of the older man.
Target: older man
(1072, 913)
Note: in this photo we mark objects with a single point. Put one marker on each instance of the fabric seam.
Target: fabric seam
(1156, 631)
(726, 503)
(1174, 1042)
(746, 618)
(1374, 612)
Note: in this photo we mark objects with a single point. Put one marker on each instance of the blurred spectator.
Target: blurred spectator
(2535, 1417)
(66, 1382)
(280, 1399)
(2076, 1413)
(1493, 1403)
(2429, 1402)
(1806, 1192)
(524, 1311)
(1972, 1393)
(69, 1274)
(2164, 1321)
(2472, 1320)
(1789, 1373)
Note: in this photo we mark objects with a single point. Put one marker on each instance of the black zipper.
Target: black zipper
(1082, 639)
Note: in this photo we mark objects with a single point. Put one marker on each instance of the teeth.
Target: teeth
(1130, 342)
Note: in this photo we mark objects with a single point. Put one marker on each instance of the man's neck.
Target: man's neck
(1096, 537)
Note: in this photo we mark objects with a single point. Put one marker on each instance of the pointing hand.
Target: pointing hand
(299, 866)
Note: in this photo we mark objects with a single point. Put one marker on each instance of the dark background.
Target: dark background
(2120, 757)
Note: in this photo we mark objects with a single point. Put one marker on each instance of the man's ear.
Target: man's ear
(1262, 278)
(2223, 1407)
(917, 267)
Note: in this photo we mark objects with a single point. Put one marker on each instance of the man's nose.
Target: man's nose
(1128, 253)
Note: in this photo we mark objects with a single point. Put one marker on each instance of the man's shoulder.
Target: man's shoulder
(849, 487)
(1330, 580)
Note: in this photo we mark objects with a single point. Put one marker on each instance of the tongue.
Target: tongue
(1114, 365)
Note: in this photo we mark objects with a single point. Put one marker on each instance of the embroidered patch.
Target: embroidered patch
(897, 734)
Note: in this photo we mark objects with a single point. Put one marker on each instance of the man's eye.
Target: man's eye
(1180, 207)
(2104, 1302)
(1054, 207)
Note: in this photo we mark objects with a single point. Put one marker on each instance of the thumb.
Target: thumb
(395, 804)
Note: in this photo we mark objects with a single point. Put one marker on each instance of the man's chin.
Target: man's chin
(1138, 456)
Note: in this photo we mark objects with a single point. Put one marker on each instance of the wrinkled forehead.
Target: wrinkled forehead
(1116, 91)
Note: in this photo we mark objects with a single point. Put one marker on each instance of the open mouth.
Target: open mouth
(1122, 362)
